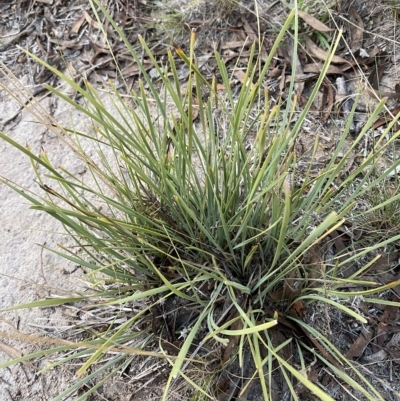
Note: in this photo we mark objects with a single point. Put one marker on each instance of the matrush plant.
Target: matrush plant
(203, 225)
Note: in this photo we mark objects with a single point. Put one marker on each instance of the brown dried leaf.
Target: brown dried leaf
(327, 100)
(235, 44)
(356, 30)
(320, 54)
(91, 21)
(313, 22)
(376, 75)
(322, 350)
(387, 117)
(233, 342)
(298, 306)
(358, 347)
(383, 263)
(240, 75)
(134, 69)
(76, 27)
(380, 334)
(249, 31)
(317, 67)
(172, 348)
(276, 295)
(393, 347)
(375, 357)
(195, 108)
(14, 354)
(275, 72)
(390, 313)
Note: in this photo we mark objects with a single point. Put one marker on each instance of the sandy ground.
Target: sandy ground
(27, 272)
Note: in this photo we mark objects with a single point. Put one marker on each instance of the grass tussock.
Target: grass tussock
(203, 235)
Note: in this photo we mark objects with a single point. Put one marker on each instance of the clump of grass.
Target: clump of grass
(383, 218)
(205, 226)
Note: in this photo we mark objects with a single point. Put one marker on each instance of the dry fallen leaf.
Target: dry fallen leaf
(384, 262)
(134, 68)
(320, 54)
(380, 335)
(317, 67)
(393, 346)
(313, 22)
(376, 357)
(93, 23)
(358, 347)
(195, 108)
(356, 30)
(376, 74)
(235, 44)
(249, 31)
(76, 27)
(327, 100)
(328, 356)
(240, 75)
(298, 306)
(390, 314)
(14, 354)
(387, 117)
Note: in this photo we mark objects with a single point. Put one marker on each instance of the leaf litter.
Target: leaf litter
(82, 45)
